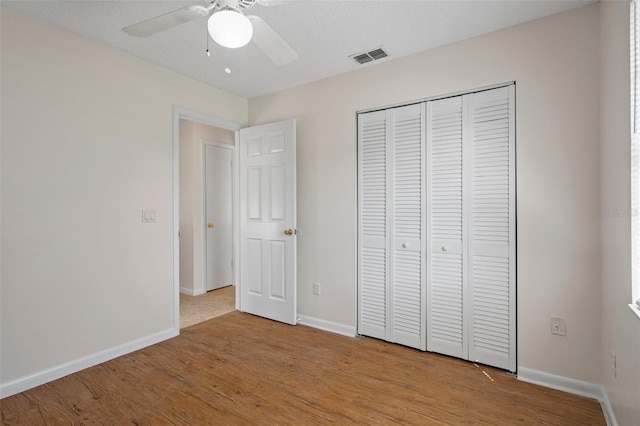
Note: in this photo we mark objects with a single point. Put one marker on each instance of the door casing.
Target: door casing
(183, 113)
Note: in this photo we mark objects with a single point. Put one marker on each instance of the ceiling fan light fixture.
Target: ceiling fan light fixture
(230, 28)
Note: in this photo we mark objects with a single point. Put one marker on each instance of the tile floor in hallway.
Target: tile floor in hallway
(196, 309)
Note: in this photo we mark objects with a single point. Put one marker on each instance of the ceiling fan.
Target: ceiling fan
(227, 25)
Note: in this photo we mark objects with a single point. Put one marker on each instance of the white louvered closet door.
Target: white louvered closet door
(391, 225)
(406, 281)
(372, 225)
(436, 226)
(492, 246)
(446, 318)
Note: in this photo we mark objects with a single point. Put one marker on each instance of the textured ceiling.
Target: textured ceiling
(323, 33)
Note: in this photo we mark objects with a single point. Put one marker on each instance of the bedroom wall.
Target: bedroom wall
(192, 135)
(87, 135)
(620, 326)
(554, 62)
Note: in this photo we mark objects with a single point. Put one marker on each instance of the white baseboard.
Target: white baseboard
(333, 327)
(192, 292)
(607, 409)
(566, 384)
(24, 383)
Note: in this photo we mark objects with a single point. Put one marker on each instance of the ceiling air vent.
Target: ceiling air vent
(373, 55)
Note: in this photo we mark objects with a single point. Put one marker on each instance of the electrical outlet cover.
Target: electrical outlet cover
(558, 326)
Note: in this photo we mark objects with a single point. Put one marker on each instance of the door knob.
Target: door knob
(210, 225)
(288, 232)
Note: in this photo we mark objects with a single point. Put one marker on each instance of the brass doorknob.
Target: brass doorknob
(210, 225)
(288, 232)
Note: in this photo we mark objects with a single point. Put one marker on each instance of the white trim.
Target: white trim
(566, 384)
(562, 383)
(236, 218)
(437, 97)
(333, 327)
(607, 409)
(192, 292)
(22, 384)
(635, 309)
(201, 118)
(175, 194)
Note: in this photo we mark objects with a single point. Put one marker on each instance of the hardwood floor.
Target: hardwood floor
(241, 369)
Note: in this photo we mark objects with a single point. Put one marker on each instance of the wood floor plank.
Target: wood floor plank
(240, 369)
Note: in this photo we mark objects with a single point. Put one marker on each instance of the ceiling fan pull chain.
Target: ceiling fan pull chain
(207, 35)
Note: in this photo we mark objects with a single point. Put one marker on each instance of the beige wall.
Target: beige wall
(620, 327)
(554, 62)
(192, 135)
(87, 135)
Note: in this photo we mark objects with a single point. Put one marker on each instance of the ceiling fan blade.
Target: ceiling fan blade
(164, 22)
(271, 43)
(269, 3)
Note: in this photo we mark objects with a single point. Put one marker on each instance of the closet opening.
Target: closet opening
(436, 225)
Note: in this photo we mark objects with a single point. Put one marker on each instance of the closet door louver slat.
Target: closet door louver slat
(446, 323)
(372, 205)
(406, 281)
(492, 236)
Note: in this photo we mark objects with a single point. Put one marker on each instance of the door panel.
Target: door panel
(372, 215)
(254, 266)
(407, 283)
(492, 237)
(267, 210)
(391, 225)
(446, 228)
(218, 215)
(277, 191)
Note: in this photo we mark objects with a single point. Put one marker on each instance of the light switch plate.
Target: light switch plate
(148, 215)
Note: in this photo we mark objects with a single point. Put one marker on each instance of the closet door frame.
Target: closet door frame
(427, 249)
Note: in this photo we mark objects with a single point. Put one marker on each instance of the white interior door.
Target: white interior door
(268, 220)
(218, 187)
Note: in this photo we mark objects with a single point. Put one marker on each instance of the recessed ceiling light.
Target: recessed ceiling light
(227, 70)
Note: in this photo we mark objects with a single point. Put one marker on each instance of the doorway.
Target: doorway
(205, 151)
(272, 140)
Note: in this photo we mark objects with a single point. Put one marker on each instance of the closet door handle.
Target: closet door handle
(445, 248)
(405, 245)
